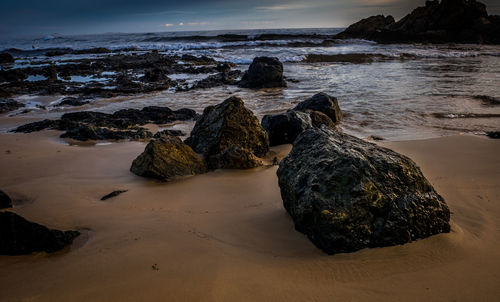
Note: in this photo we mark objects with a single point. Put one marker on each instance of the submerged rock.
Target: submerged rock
(347, 194)
(233, 157)
(228, 124)
(19, 236)
(166, 159)
(324, 103)
(264, 72)
(5, 201)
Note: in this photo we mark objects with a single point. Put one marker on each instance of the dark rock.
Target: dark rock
(20, 237)
(375, 138)
(168, 132)
(324, 103)
(6, 58)
(366, 27)
(113, 194)
(156, 75)
(284, 128)
(36, 126)
(319, 118)
(85, 132)
(225, 125)
(5, 201)
(493, 134)
(347, 194)
(264, 72)
(233, 157)
(9, 105)
(222, 78)
(355, 58)
(166, 159)
(72, 101)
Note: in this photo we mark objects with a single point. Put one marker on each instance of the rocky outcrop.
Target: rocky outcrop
(7, 105)
(264, 72)
(166, 159)
(233, 157)
(5, 201)
(19, 236)
(225, 125)
(347, 194)
(323, 103)
(458, 21)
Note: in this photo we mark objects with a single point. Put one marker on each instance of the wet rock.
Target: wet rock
(233, 157)
(324, 103)
(156, 75)
(168, 132)
(493, 134)
(20, 237)
(85, 132)
(347, 194)
(72, 101)
(222, 78)
(7, 105)
(6, 58)
(167, 158)
(113, 194)
(36, 126)
(228, 124)
(203, 60)
(355, 58)
(284, 128)
(5, 201)
(319, 118)
(264, 72)
(366, 27)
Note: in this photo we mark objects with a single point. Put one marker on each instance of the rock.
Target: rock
(284, 128)
(366, 27)
(85, 132)
(9, 105)
(168, 132)
(375, 138)
(20, 237)
(166, 159)
(324, 103)
(72, 101)
(355, 58)
(233, 157)
(6, 58)
(36, 126)
(5, 201)
(493, 134)
(228, 124)
(347, 194)
(319, 118)
(156, 75)
(264, 72)
(219, 79)
(113, 194)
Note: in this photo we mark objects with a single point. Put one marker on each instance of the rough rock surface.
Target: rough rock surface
(264, 72)
(167, 158)
(228, 124)
(233, 157)
(324, 103)
(168, 132)
(347, 194)
(284, 128)
(7, 105)
(19, 236)
(5, 201)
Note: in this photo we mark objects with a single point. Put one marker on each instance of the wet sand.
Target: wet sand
(224, 236)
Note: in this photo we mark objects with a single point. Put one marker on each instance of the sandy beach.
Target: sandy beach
(225, 236)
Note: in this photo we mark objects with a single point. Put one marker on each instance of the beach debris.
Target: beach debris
(347, 194)
(264, 72)
(155, 267)
(167, 158)
(19, 236)
(113, 194)
(5, 201)
(226, 125)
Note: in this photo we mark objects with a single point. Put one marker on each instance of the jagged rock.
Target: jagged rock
(228, 124)
(166, 159)
(19, 236)
(233, 157)
(264, 72)
(347, 194)
(324, 103)
(5, 201)
(366, 27)
(168, 132)
(9, 105)
(284, 128)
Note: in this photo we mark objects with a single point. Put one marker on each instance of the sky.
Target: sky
(35, 17)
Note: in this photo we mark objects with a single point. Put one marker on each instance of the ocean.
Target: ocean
(416, 91)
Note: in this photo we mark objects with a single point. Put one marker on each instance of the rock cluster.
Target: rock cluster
(347, 194)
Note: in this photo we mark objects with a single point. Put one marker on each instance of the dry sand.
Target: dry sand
(224, 236)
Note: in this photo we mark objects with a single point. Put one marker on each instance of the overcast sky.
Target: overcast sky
(26, 17)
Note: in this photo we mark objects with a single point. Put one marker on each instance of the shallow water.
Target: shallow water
(418, 91)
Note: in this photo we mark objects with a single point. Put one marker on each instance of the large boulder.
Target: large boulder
(324, 103)
(166, 159)
(228, 124)
(284, 128)
(5, 201)
(233, 157)
(347, 194)
(264, 72)
(19, 236)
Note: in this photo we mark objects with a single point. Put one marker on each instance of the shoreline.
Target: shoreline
(225, 235)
